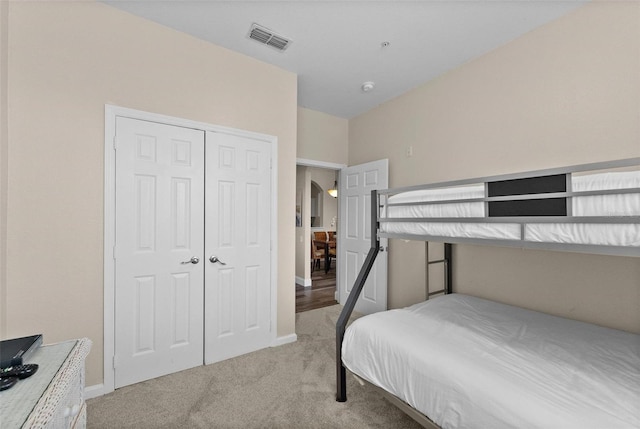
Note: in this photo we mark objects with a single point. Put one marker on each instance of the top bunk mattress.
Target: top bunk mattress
(576, 233)
(466, 362)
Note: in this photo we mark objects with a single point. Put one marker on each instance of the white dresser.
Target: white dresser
(54, 396)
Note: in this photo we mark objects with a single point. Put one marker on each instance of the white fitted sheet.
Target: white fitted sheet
(466, 362)
(439, 210)
(598, 205)
(627, 235)
(451, 229)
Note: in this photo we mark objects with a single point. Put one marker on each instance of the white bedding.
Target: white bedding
(607, 205)
(439, 210)
(599, 205)
(584, 233)
(501, 231)
(466, 362)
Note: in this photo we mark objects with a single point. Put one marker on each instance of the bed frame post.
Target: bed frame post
(448, 268)
(341, 325)
(426, 270)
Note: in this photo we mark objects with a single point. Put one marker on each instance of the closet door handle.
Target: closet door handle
(215, 259)
(193, 260)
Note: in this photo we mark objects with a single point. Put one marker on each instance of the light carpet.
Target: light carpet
(291, 386)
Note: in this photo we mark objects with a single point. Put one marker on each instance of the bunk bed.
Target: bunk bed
(461, 361)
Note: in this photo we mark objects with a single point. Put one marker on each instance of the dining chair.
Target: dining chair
(317, 253)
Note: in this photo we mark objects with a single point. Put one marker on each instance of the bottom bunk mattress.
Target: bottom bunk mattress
(466, 362)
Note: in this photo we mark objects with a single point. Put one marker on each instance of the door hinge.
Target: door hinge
(114, 361)
(115, 142)
(114, 252)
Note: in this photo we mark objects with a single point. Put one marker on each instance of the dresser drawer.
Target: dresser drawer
(70, 406)
(81, 419)
(53, 397)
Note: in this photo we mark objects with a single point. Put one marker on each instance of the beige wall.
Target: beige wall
(66, 61)
(566, 93)
(322, 137)
(4, 34)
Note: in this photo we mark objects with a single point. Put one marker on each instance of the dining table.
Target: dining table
(327, 256)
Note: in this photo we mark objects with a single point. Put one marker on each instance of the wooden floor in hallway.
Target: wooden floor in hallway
(320, 294)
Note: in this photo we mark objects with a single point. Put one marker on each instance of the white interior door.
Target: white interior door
(356, 184)
(238, 234)
(159, 229)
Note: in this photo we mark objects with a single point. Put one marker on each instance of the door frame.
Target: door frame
(303, 162)
(111, 112)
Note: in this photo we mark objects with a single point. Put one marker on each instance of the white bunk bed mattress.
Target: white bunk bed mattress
(466, 362)
(597, 205)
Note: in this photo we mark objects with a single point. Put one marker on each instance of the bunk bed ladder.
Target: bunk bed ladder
(448, 267)
(448, 272)
(341, 325)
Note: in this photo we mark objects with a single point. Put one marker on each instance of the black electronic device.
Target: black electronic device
(17, 350)
(20, 371)
(7, 382)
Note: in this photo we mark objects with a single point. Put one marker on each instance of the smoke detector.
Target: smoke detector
(368, 86)
(267, 37)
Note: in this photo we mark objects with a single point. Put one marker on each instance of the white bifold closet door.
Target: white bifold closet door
(174, 307)
(159, 228)
(238, 219)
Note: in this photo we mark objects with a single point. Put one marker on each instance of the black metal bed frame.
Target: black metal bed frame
(347, 310)
(508, 198)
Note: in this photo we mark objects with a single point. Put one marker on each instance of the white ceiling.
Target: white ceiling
(337, 45)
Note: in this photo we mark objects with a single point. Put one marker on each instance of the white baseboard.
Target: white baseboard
(303, 282)
(94, 391)
(281, 341)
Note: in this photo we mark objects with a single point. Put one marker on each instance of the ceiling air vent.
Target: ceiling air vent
(268, 37)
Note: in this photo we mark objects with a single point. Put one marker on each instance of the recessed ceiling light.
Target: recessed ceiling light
(368, 86)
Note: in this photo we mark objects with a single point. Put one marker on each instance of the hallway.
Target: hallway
(320, 294)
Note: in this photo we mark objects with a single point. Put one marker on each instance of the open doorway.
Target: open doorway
(316, 235)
